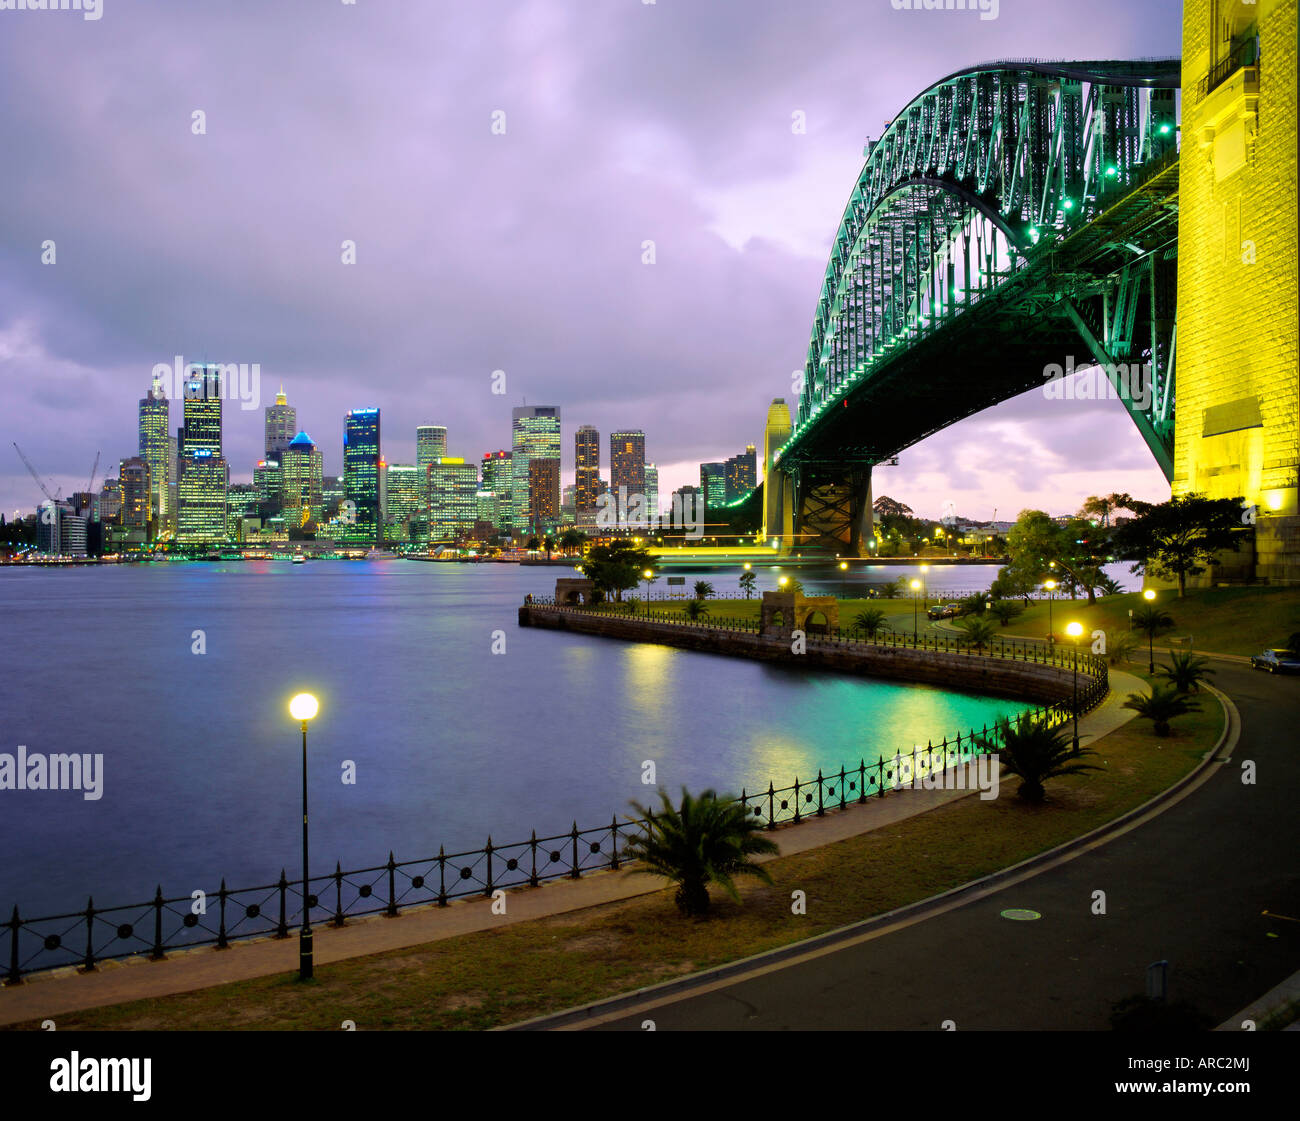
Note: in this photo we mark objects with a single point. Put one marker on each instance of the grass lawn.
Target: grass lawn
(485, 979)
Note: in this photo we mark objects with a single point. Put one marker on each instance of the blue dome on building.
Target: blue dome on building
(302, 442)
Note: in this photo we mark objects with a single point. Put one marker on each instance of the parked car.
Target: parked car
(1277, 661)
(943, 611)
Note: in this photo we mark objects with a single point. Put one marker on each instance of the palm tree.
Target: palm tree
(633, 604)
(696, 609)
(1034, 752)
(871, 622)
(1120, 647)
(1185, 672)
(747, 582)
(1151, 620)
(703, 589)
(979, 632)
(708, 839)
(793, 584)
(1160, 706)
(1004, 610)
(973, 604)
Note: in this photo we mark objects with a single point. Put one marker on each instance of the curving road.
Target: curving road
(1189, 886)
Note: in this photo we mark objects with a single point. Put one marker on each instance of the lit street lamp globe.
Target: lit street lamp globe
(303, 707)
(1074, 630)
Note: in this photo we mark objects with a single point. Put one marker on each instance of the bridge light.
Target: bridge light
(1164, 130)
(1068, 204)
(1112, 171)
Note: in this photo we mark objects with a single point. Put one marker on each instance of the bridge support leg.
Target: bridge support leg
(862, 528)
(834, 509)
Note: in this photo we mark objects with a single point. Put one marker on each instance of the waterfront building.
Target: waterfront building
(586, 470)
(453, 487)
(301, 473)
(202, 411)
(627, 463)
(361, 455)
(110, 500)
(535, 433)
(202, 497)
(332, 494)
(242, 506)
(156, 449)
(742, 474)
(281, 425)
(60, 532)
(136, 493)
(544, 494)
(430, 444)
(268, 479)
(406, 490)
(498, 478)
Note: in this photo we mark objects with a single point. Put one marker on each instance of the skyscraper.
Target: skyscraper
(536, 435)
(498, 481)
(134, 479)
(406, 494)
(586, 463)
(652, 492)
(281, 425)
(453, 498)
(713, 483)
(627, 463)
(202, 471)
(301, 471)
(430, 444)
(268, 480)
(361, 473)
(156, 450)
(544, 493)
(742, 474)
(202, 410)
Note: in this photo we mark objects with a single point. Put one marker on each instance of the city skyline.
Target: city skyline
(748, 222)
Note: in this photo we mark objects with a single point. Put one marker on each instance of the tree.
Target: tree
(974, 604)
(617, 567)
(1072, 553)
(1185, 672)
(870, 622)
(886, 507)
(1034, 753)
(534, 544)
(1181, 537)
(1161, 706)
(747, 582)
(696, 609)
(1004, 610)
(1120, 648)
(633, 604)
(703, 589)
(793, 584)
(707, 839)
(571, 540)
(1151, 620)
(979, 632)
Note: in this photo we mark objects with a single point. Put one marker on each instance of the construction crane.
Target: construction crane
(90, 486)
(39, 482)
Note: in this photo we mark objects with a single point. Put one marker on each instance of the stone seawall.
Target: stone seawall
(1004, 677)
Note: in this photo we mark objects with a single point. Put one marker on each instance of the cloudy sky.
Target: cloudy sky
(478, 249)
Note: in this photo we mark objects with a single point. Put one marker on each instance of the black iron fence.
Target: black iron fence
(156, 927)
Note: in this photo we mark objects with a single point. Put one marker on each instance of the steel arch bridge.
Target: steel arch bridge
(1014, 217)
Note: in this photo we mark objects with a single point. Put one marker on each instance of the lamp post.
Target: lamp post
(1050, 585)
(647, 576)
(303, 707)
(1074, 630)
(1149, 595)
(916, 587)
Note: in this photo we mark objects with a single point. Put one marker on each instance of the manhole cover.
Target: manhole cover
(1020, 914)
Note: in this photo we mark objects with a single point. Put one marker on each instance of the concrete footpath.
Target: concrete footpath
(47, 995)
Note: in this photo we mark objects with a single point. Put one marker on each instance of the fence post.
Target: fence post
(157, 954)
(488, 889)
(223, 943)
(796, 799)
(771, 797)
(841, 786)
(575, 874)
(821, 786)
(862, 781)
(392, 891)
(89, 961)
(613, 842)
(442, 877)
(12, 977)
(282, 931)
(532, 877)
(338, 893)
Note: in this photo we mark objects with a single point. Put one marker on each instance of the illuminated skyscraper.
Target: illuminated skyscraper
(405, 496)
(713, 484)
(499, 481)
(544, 493)
(202, 492)
(453, 498)
(652, 491)
(586, 462)
(268, 480)
(281, 425)
(536, 435)
(361, 473)
(202, 409)
(742, 474)
(301, 470)
(136, 489)
(627, 463)
(430, 444)
(156, 450)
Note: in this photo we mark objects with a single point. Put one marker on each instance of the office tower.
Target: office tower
(713, 484)
(544, 494)
(568, 501)
(242, 504)
(361, 473)
(202, 408)
(742, 474)
(110, 500)
(136, 492)
(627, 464)
(268, 480)
(453, 498)
(498, 480)
(405, 495)
(59, 531)
(586, 467)
(652, 493)
(535, 435)
(430, 444)
(155, 447)
(201, 497)
(301, 474)
(281, 425)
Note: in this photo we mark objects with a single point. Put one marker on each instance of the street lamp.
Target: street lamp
(647, 576)
(916, 587)
(1075, 630)
(1149, 595)
(303, 707)
(1050, 585)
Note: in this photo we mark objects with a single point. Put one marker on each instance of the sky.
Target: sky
(499, 169)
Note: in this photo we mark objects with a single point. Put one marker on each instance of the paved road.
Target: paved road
(1188, 886)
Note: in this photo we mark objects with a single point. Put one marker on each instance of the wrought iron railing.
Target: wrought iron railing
(1245, 55)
